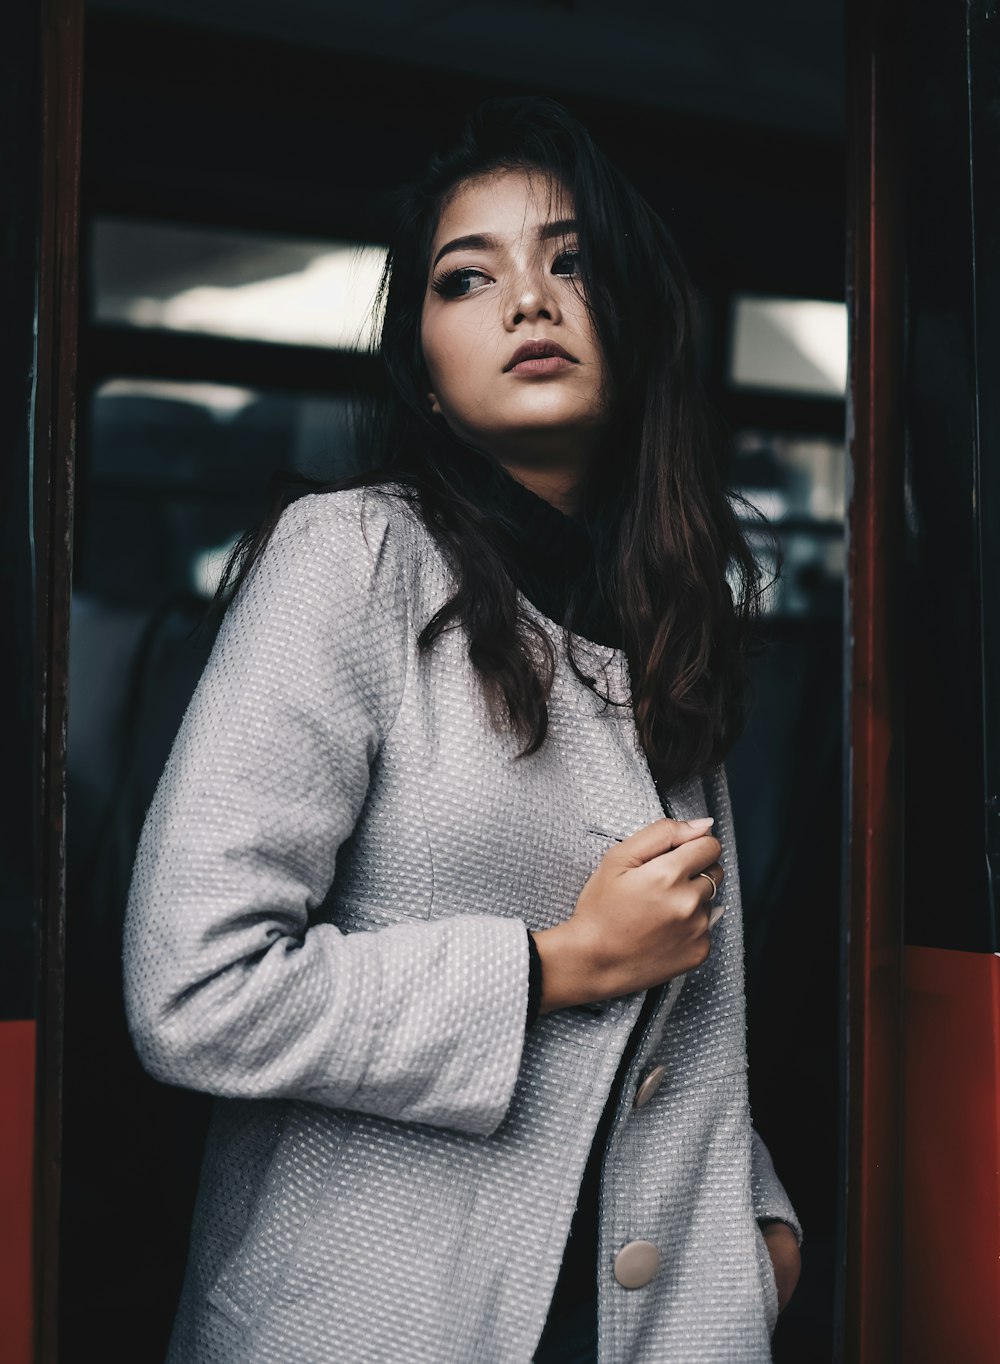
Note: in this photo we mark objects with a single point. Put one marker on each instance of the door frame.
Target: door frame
(871, 1031)
(872, 905)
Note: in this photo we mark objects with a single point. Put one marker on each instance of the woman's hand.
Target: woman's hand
(786, 1258)
(641, 918)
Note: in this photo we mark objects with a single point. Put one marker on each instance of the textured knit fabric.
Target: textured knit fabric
(326, 929)
(548, 554)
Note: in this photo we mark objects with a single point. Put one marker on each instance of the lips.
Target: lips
(538, 350)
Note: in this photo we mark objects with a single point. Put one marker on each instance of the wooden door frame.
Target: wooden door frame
(871, 1032)
(53, 453)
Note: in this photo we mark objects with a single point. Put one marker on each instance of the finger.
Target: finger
(663, 835)
(714, 870)
(714, 909)
(709, 880)
(688, 859)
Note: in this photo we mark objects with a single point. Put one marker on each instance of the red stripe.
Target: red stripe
(17, 1140)
(951, 1158)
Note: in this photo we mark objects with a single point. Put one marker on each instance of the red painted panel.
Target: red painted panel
(951, 1157)
(17, 1143)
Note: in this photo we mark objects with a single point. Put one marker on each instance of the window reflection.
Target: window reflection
(798, 483)
(244, 285)
(792, 345)
(177, 471)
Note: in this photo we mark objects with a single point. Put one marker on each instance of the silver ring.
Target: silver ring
(711, 881)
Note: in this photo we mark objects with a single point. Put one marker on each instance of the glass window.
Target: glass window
(794, 345)
(798, 484)
(246, 285)
(175, 472)
(799, 476)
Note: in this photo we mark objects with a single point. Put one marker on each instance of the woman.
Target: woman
(429, 893)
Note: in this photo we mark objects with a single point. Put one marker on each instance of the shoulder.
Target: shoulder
(364, 524)
(366, 534)
(331, 583)
(351, 519)
(364, 550)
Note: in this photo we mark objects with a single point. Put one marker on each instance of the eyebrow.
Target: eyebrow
(484, 241)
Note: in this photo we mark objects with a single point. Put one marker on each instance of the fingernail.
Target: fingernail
(700, 823)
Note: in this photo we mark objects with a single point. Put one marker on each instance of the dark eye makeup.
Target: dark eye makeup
(457, 283)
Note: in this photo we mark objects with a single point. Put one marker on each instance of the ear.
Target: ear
(435, 405)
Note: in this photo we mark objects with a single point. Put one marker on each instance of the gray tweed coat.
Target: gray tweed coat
(326, 930)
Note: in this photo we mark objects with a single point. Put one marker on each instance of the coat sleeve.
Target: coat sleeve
(769, 1196)
(232, 984)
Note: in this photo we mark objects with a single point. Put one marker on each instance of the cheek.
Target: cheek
(443, 352)
(455, 354)
(430, 345)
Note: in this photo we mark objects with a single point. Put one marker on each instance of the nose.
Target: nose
(531, 298)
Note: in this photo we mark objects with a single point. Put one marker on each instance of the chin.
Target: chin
(568, 422)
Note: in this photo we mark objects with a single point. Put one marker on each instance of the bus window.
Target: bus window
(247, 285)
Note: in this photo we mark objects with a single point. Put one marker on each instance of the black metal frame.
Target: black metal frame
(952, 488)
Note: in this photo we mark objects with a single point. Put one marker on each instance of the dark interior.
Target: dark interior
(201, 121)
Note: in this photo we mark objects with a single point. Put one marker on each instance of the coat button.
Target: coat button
(636, 1264)
(650, 1084)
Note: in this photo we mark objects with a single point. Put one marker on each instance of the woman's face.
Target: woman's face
(503, 277)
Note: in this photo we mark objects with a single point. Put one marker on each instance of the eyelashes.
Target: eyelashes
(458, 283)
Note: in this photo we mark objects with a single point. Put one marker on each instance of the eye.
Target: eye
(567, 263)
(459, 283)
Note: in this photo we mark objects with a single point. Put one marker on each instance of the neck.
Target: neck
(552, 464)
(548, 551)
(562, 489)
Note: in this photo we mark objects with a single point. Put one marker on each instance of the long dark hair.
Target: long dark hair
(667, 542)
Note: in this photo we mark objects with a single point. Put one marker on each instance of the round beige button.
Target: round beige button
(636, 1264)
(650, 1084)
